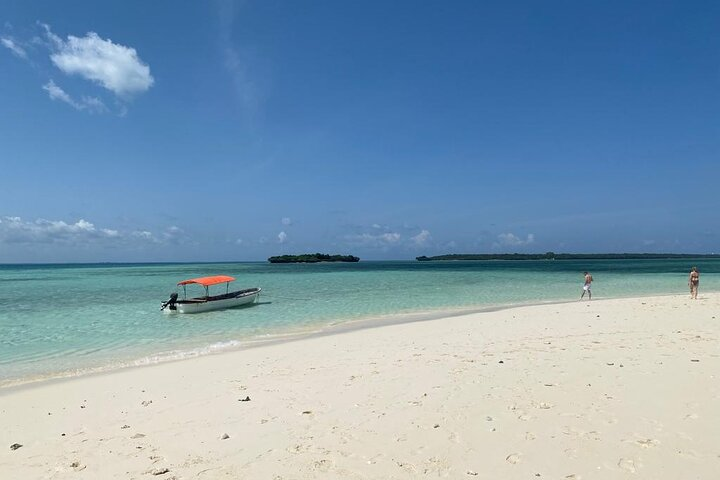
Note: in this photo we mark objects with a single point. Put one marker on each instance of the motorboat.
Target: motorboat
(209, 302)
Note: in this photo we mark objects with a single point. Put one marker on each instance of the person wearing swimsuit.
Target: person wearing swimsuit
(586, 287)
(693, 282)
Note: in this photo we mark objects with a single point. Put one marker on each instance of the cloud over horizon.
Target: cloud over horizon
(382, 240)
(15, 230)
(422, 238)
(400, 238)
(512, 240)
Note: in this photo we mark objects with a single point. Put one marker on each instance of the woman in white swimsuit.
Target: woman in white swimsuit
(694, 282)
(586, 287)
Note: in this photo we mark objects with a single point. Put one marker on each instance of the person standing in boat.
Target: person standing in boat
(694, 282)
(586, 287)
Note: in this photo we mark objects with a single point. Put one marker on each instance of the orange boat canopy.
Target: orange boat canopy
(207, 281)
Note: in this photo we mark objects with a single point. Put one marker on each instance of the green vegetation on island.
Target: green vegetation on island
(563, 256)
(312, 258)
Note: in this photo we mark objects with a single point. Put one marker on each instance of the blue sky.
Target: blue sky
(203, 131)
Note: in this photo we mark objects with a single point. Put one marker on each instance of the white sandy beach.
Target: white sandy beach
(606, 389)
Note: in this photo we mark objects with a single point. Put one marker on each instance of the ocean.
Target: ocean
(67, 320)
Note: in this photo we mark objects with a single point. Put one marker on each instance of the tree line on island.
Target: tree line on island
(313, 258)
(562, 256)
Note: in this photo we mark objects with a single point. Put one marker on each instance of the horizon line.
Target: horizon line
(208, 262)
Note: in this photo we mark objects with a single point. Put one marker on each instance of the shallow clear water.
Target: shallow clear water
(61, 320)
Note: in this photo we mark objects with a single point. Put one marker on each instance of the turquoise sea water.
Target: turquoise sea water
(60, 320)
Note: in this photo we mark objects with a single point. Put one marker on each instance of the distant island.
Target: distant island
(563, 256)
(312, 258)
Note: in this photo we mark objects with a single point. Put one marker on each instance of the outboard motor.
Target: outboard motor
(170, 303)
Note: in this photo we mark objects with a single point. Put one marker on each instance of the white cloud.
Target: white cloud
(81, 225)
(175, 235)
(370, 240)
(93, 104)
(15, 230)
(144, 234)
(57, 93)
(239, 241)
(12, 45)
(421, 238)
(282, 237)
(512, 240)
(115, 67)
(286, 221)
(86, 103)
(385, 237)
(390, 237)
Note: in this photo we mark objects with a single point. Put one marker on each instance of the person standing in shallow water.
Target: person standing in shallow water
(586, 287)
(694, 282)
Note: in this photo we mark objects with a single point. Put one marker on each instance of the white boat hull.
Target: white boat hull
(199, 305)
